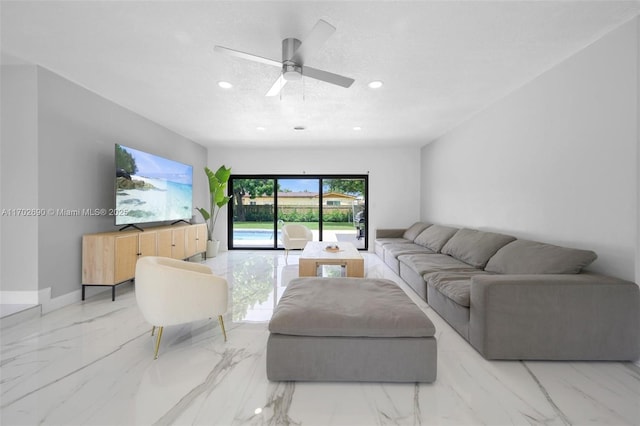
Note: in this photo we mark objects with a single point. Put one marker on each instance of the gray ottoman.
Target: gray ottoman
(349, 329)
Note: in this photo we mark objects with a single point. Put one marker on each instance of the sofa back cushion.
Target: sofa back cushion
(414, 230)
(435, 236)
(531, 257)
(475, 247)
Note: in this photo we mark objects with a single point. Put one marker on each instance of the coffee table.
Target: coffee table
(315, 254)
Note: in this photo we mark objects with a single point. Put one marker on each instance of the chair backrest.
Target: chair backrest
(170, 291)
(294, 230)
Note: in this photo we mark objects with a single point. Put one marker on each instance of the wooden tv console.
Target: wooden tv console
(109, 258)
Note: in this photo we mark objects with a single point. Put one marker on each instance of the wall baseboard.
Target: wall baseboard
(43, 298)
(20, 297)
(51, 304)
(39, 297)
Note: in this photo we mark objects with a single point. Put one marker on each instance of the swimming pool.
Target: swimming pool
(253, 235)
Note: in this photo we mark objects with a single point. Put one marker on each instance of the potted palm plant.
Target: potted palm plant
(217, 200)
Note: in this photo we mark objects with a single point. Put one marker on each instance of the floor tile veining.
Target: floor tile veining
(91, 363)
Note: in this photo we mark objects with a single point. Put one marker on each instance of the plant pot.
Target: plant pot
(212, 248)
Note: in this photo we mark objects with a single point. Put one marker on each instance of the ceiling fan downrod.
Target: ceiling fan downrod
(290, 70)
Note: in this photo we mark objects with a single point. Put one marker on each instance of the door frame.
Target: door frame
(275, 177)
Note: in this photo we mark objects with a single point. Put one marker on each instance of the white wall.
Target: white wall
(394, 186)
(555, 161)
(71, 166)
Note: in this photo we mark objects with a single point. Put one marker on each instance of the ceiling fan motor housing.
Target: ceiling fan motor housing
(290, 70)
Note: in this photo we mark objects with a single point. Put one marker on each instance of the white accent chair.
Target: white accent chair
(295, 237)
(172, 292)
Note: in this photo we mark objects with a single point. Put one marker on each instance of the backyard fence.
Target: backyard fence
(297, 213)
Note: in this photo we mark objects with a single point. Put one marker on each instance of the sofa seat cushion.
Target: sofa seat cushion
(391, 240)
(423, 263)
(531, 257)
(381, 242)
(399, 249)
(435, 237)
(475, 247)
(342, 307)
(456, 285)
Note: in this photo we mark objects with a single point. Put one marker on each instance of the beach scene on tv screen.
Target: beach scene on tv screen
(150, 188)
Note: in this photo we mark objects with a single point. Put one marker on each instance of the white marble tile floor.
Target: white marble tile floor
(91, 363)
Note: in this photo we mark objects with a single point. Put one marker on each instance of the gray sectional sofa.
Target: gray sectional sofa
(516, 299)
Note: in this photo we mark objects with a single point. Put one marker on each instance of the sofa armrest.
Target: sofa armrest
(390, 233)
(560, 317)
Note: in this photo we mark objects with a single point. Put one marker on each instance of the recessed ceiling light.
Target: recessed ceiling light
(225, 84)
(375, 84)
(357, 128)
(260, 128)
(299, 128)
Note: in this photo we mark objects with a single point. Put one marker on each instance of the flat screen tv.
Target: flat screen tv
(150, 188)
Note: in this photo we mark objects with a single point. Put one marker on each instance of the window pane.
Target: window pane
(298, 203)
(253, 213)
(343, 211)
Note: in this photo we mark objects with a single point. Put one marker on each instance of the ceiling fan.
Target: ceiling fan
(294, 55)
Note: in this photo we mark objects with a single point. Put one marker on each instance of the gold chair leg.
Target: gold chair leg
(224, 332)
(155, 356)
(153, 330)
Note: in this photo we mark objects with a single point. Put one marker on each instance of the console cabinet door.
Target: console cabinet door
(126, 255)
(147, 243)
(201, 239)
(178, 245)
(191, 240)
(165, 240)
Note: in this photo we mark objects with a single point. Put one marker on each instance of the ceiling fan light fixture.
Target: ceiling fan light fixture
(376, 84)
(225, 85)
(291, 72)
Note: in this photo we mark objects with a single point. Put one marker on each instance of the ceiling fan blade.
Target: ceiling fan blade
(277, 86)
(247, 56)
(314, 40)
(329, 77)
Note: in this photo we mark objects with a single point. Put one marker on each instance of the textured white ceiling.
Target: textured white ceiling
(441, 61)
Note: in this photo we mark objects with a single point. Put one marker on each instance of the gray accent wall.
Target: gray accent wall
(637, 20)
(557, 160)
(19, 177)
(60, 143)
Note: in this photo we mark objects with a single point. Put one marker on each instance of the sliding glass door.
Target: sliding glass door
(298, 203)
(253, 213)
(343, 210)
(333, 207)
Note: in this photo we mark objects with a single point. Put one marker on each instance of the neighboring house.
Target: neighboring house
(307, 199)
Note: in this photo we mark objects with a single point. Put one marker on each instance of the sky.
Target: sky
(299, 185)
(153, 166)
